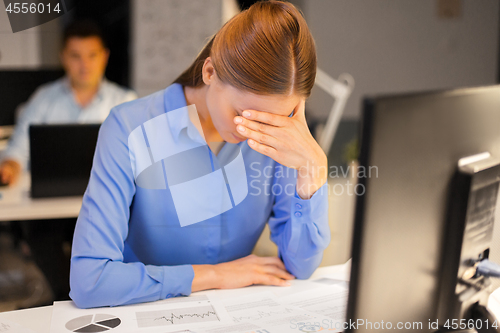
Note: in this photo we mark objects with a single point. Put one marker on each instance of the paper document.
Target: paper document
(11, 327)
(317, 304)
(172, 315)
(329, 301)
(264, 313)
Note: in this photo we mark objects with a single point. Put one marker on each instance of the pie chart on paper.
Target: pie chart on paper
(93, 323)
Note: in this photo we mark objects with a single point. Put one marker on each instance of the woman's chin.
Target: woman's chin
(235, 139)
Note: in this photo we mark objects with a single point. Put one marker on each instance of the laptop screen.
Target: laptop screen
(61, 158)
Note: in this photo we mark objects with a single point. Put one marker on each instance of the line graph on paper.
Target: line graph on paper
(260, 314)
(189, 315)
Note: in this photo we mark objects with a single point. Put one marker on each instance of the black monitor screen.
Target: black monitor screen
(16, 86)
(414, 142)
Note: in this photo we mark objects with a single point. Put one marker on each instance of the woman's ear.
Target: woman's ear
(208, 71)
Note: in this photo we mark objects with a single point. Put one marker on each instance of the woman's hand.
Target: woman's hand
(288, 141)
(241, 273)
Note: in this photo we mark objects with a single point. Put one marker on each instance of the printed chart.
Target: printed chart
(205, 313)
(93, 323)
(177, 314)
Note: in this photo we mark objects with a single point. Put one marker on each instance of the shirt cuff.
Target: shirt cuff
(177, 281)
(304, 207)
(303, 211)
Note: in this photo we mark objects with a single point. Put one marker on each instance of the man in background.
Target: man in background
(83, 95)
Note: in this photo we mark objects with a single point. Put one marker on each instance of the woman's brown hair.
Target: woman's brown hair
(266, 49)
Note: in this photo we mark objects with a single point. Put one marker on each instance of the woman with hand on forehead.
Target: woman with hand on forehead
(248, 85)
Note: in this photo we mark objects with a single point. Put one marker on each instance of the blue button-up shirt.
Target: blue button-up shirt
(55, 103)
(137, 237)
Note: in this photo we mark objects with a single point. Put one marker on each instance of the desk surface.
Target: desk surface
(16, 204)
(38, 319)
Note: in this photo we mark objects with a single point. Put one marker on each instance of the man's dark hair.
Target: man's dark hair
(82, 29)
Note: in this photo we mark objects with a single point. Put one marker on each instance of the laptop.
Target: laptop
(61, 158)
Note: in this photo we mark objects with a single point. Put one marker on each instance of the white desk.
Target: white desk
(16, 204)
(38, 319)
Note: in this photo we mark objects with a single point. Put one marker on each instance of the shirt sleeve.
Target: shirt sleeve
(99, 276)
(31, 113)
(299, 227)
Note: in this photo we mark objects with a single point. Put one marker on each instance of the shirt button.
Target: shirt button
(298, 214)
(298, 206)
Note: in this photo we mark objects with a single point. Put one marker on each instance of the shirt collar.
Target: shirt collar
(174, 99)
(100, 92)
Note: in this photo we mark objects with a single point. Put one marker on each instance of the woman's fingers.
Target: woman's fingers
(274, 267)
(273, 261)
(275, 271)
(266, 117)
(249, 270)
(263, 149)
(256, 126)
(260, 137)
(271, 275)
(273, 281)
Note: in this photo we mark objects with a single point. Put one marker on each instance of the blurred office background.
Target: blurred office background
(388, 46)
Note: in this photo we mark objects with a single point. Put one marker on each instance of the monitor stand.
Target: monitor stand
(463, 293)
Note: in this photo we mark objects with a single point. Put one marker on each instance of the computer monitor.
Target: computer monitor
(61, 157)
(411, 144)
(16, 86)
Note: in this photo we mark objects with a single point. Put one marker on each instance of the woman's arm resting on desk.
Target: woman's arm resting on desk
(99, 277)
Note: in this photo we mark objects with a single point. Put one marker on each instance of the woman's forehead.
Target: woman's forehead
(276, 104)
